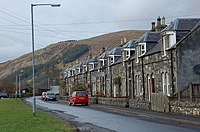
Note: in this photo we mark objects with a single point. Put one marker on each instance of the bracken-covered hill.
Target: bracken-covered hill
(55, 51)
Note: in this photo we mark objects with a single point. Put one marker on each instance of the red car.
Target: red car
(79, 97)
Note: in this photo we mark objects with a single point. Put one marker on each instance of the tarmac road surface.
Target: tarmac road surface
(86, 119)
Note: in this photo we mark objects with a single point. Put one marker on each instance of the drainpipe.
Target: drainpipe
(143, 78)
(105, 84)
(133, 94)
(126, 78)
(90, 84)
(86, 80)
(111, 91)
(172, 72)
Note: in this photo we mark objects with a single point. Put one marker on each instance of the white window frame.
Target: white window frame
(167, 83)
(127, 53)
(163, 83)
(84, 68)
(69, 74)
(142, 49)
(112, 59)
(92, 66)
(137, 54)
(173, 34)
(164, 44)
(139, 88)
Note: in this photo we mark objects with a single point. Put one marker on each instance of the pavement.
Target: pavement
(144, 114)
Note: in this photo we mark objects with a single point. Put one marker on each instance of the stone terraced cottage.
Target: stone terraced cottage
(159, 71)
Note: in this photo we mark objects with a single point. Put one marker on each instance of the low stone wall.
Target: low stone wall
(186, 108)
(93, 100)
(139, 104)
(64, 97)
(123, 102)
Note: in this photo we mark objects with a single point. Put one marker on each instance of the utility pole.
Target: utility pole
(16, 84)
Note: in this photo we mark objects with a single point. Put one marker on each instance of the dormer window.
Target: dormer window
(171, 39)
(84, 68)
(79, 70)
(168, 40)
(142, 48)
(164, 45)
(127, 53)
(73, 71)
(112, 60)
(102, 62)
(69, 73)
(91, 66)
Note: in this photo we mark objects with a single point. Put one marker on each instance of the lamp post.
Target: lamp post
(33, 50)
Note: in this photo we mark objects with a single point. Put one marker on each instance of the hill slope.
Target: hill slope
(55, 51)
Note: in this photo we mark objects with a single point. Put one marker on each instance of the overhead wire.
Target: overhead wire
(25, 21)
(27, 27)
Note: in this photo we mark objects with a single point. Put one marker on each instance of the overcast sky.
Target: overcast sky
(80, 19)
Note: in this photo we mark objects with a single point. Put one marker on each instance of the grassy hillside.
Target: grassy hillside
(55, 57)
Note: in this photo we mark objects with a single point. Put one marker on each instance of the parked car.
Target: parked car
(79, 97)
(50, 96)
(4, 95)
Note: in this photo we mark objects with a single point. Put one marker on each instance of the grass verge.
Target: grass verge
(16, 116)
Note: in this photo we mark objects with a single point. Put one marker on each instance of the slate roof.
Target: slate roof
(94, 58)
(155, 49)
(130, 44)
(195, 28)
(86, 62)
(182, 24)
(104, 55)
(149, 37)
(80, 64)
(115, 51)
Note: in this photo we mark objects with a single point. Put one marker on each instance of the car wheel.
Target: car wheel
(86, 104)
(73, 104)
(70, 104)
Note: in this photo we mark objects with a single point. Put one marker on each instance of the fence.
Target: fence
(190, 94)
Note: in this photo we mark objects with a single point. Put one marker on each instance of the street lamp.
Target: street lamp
(33, 50)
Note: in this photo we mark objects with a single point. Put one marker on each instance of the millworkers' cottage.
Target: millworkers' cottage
(94, 76)
(158, 71)
(102, 69)
(113, 71)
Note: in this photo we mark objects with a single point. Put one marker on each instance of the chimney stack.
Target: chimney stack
(158, 22)
(125, 40)
(103, 50)
(121, 41)
(163, 21)
(153, 26)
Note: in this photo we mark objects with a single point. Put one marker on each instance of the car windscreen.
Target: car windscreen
(50, 93)
(81, 94)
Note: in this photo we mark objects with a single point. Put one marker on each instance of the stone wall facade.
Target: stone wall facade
(123, 102)
(186, 108)
(139, 104)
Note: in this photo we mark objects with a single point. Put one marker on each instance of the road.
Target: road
(88, 119)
